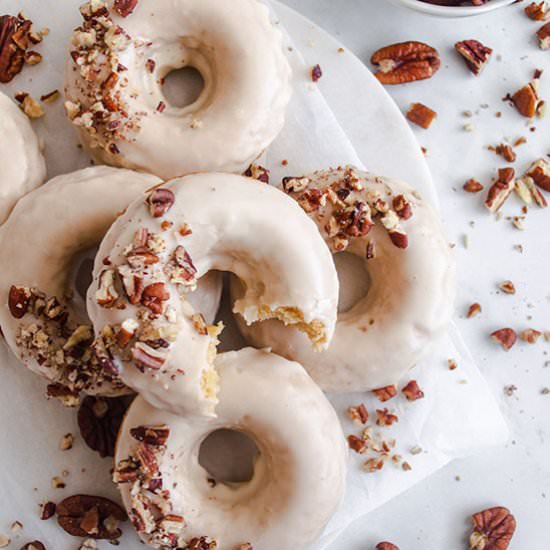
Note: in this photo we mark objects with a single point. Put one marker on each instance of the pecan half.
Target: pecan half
(500, 190)
(475, 54)
(405, 62)
(160, 201)
(493, 529)
(543, 34)
(386, 393)
(90, 516)
(412, 391)
(125, 7)
(99, 419)
(421, 115)
(539, 172)
(18, 301)
(506, 337)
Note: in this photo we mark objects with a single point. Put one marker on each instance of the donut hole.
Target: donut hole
(182, 87)
(83, 273)
(354, 277)
(228, 456)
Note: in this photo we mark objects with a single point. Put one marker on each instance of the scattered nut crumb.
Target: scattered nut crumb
(530, 335)
(58, 483)
(421, 115)
(507, 287)
(473, 310)
(316, 73)
(452, 364)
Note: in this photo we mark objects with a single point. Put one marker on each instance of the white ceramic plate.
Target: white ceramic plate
(30, 426)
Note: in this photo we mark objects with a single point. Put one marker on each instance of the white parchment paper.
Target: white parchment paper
(457, 416)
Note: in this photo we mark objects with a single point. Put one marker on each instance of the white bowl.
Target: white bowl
(453, 11)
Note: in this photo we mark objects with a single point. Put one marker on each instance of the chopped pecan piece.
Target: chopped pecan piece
(184, 261)
(412, 391)
(473, 310)
(475, 54)
(385, 418)
(507, 287)
(146, 357)
(34, 545)
(537, 10)
(160, 201)
(154, 296)
(80, 514)
(526, 100)
(257, 172)
(386, 393)
(527, 191)
(543, 34)
(539, 172)
(357, 444)
(421, 115)
(506, 337)
(386, 546)
(530, 335)
(493, 529)
(472, 186)
(125, 7)
(295, 185)
(359, 414)
(506, 152)
(63, 394)
(316, 73)
(405, 62)
(500, 190)
(18, 301)
(311, 200)
(48, 510)
(106, 294)
(151, 435)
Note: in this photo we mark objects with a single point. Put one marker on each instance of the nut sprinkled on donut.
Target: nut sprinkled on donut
(146, 336)
(350, 210)
(152, 513)
(101, 110)
(77, 361)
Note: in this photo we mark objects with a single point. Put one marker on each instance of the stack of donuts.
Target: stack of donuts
(166, 210)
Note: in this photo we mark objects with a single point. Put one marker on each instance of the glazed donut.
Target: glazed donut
(119, 61)
(412, 280)
(23, 167)
(192, 225)
(43, 319)
(298, 479)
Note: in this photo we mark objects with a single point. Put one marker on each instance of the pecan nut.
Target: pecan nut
(386, 546)
(405, 62)
(500, 190)
(125, 7)
(160, 201)
(493, 529)
(90, 516)
(526, 100)
(421, 115)
(539, 172)
(386, 393)
(99, 419)
(506, 337)
(536, 11)
(475, 54)
(151, 435)
(19, 299)
(412, 391)
(543, 34)
(473, 186)
(12, 57)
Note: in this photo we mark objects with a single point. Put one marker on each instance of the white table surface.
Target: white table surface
(435, 514)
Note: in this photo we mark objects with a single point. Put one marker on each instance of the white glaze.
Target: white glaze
(53, 225)
(408, 306)
(298, 479)
(241, 109)
(238, 225)
(23, 166)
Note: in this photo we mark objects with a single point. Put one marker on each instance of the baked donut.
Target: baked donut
(409, 272)
(162, 346)
(120, 58)
(23, 166)
(298, 477)
(43, 319)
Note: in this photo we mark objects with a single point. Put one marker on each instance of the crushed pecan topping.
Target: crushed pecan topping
(506, 337)
(90, 516)
(125, 7)
(493, 529)
(475, 54)
(405, 62)
(386, 393)
(385, 418)
(257, 172)
(421, 115)
(358, 414)
(543, 34)
(356, 444)
(51, 338)
(506, 151)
